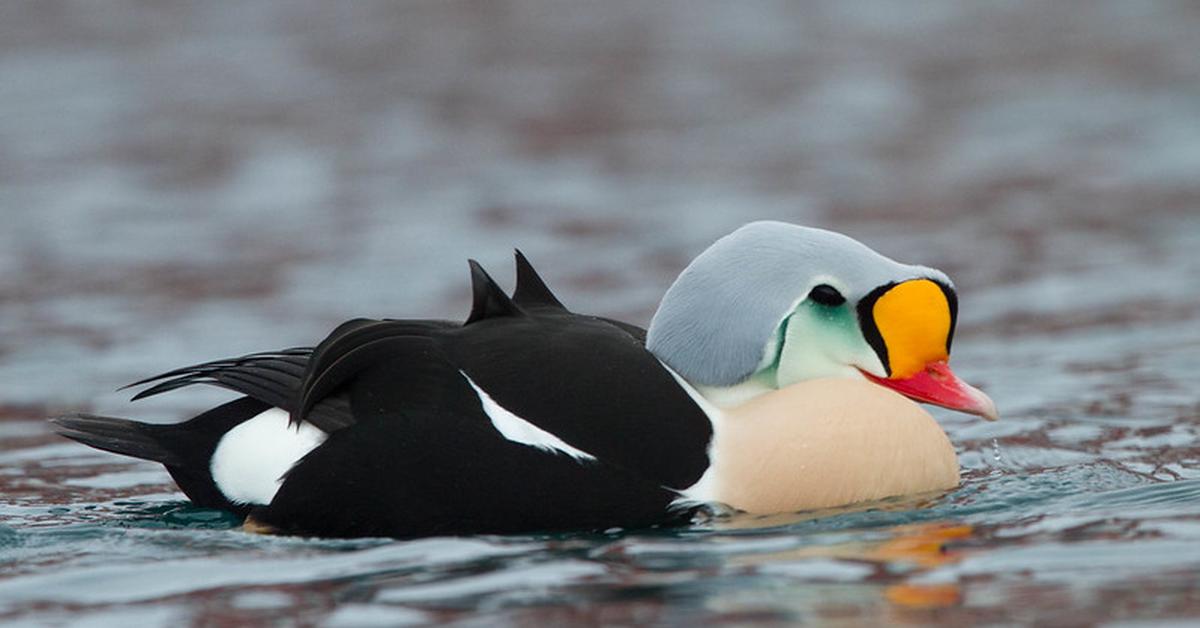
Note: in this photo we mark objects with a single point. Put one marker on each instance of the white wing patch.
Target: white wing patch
(251, 459)
(519, 430)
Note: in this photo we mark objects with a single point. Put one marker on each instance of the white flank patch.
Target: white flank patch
(251, 459)
(519, 430)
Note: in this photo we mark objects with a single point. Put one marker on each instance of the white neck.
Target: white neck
(736, 395)
(822, 443)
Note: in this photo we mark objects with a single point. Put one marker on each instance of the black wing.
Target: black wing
(271, 377)
(353, 346)
(591, 384)
(424, 459)
(586, 380)
(267, 375)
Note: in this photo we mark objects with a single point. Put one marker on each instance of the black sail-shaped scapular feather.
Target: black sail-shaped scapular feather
(531, 290)
(488, 300)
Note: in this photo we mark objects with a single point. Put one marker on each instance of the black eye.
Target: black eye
(826, 294)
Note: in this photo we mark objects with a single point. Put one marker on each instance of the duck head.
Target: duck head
(774, 304)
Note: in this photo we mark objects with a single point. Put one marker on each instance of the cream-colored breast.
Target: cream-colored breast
(823, 443)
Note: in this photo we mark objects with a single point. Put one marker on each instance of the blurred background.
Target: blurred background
(179, 183)
(186, 182)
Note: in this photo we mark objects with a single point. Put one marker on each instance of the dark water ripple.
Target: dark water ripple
(187, 183)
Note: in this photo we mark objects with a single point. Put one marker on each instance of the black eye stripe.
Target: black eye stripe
(866, 320)
(870, 330)
(952, 302)
(826, 294)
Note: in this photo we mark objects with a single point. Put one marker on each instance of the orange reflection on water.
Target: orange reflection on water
(913, 549)
(924, 546)
(924, 596)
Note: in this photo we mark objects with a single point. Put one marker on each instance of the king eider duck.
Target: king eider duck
(777, 375)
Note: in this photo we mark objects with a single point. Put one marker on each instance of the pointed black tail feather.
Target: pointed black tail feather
(119, 436)
(185, 449)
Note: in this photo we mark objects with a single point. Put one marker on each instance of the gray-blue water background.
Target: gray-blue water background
(188, 182)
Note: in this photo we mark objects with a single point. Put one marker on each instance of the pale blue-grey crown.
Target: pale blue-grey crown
(716, 321)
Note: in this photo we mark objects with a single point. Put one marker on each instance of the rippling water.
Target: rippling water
(181, 185)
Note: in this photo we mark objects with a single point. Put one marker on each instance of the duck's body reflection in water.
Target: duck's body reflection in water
(896, 559)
